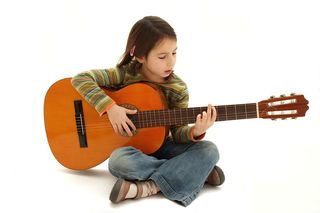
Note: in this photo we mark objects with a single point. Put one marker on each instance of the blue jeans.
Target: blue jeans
(179, 170)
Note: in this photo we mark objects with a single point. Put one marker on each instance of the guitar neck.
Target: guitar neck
(182, 116)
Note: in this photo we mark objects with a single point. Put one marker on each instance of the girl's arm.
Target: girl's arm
(88, 85)
(184, 133)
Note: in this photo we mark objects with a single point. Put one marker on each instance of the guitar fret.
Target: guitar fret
(158, 118)
(184, 115)
(245, 108)
(154, 118)
(241, 111)
(221, 114)
(140, 120)
(193, 112)
(235, 111)
(226, 112)
(164, 118)
(191, 117)
(252, 111)
(150, 119)
(147, 119)
(161, 118)
(181, 116)
(167, 118)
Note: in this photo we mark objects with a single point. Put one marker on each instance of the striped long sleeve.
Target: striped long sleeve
(88, 85)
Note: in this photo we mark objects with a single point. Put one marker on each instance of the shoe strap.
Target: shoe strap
(150, 187)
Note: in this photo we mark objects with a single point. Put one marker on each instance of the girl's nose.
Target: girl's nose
(171, 61)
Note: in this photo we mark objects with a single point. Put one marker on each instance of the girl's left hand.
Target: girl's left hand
(204, 121)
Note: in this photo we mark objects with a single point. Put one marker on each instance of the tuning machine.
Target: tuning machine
(281, 96)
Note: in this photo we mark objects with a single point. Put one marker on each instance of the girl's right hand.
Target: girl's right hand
(119, 120)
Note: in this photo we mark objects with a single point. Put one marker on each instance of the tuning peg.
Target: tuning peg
(283, 95)
(273, 119)
(292, 94)
(272, 96)
(294, 118)
(284, 118)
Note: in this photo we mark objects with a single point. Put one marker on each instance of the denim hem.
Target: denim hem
(168, 191)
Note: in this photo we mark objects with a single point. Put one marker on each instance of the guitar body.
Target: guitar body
(62, 126)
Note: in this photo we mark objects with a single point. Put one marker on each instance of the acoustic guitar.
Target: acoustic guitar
(80, 139)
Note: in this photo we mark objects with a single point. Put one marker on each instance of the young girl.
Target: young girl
(184, 163)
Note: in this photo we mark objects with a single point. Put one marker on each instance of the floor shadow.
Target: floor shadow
(87, 173)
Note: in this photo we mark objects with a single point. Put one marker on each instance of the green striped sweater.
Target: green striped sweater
(174, 89)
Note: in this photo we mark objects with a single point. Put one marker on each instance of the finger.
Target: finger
(209, 113)
(120, 129)
(204, 116)
(198, 120)
(214, 113)
(127, 129)
(129, 111)
(131, 125)
(115, 128)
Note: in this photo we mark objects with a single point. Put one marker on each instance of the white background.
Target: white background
(228, 52)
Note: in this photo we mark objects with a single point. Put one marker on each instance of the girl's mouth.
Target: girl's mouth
(168, 71)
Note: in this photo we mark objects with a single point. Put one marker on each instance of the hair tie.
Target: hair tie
(132, 50)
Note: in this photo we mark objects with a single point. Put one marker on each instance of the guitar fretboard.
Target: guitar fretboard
(181, 116)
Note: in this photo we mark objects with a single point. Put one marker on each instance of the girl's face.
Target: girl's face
(160, 61)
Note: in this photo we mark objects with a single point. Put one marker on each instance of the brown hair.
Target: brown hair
(144, 35)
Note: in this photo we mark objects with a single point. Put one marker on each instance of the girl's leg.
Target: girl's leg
(131, 164)
(133, 168)
(179, 170)
(182, 177)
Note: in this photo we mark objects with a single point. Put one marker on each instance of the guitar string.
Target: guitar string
(180, 121)
(103, 124)
(165, 114)
(163, 118)
(182, 118)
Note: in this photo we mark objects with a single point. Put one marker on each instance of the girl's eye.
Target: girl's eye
(163, 57)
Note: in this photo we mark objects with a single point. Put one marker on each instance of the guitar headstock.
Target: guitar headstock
(283, 107)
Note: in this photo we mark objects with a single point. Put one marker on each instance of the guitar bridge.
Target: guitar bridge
(79, 118)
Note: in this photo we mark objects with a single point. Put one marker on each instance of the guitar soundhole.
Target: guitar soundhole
(129, 106)
(133, 117)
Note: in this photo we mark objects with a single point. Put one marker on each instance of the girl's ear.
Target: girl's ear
(141, 60)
